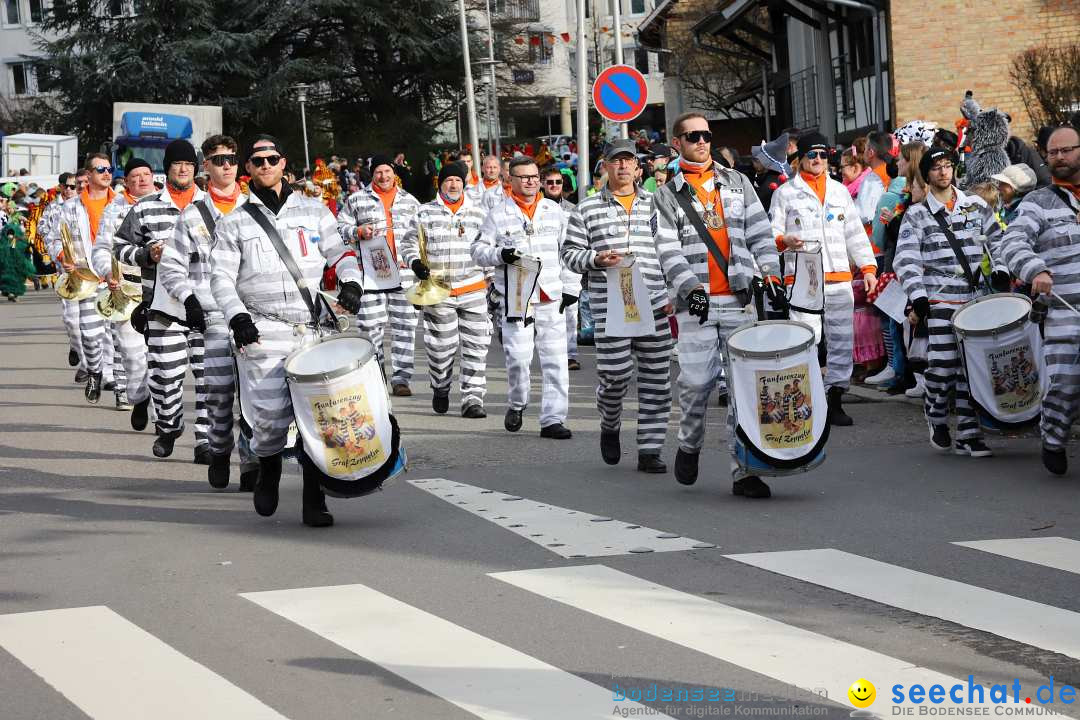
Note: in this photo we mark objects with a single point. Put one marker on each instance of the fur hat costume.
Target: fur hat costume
(987, 135)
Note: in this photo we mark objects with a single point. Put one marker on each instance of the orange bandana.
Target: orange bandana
(528, 208)
(182, 198)
(817, 184)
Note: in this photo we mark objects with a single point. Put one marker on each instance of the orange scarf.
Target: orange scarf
(526, 207)
(697, 175)
(387, 197)
(453, 206)
(224, 203)
(1068, 187)
(491, 183)
(817, 184)
(182, 198)
(95, 209)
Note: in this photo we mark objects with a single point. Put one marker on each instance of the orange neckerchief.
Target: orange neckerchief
(453, 206)
(1068, 187)
(182, 198)
(95, 209)
(491, 183)
(130, 198)
(817, 184)
(474, 179)
(387, 197)
(697, 175)
(224, 203)
(526, 207)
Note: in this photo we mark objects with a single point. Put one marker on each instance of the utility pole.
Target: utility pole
(470, 96)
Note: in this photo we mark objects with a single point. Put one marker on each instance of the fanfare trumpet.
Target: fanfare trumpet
(117, 304)
(81, 283)
(433, 290)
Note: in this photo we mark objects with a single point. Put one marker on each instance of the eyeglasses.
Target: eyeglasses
(103, 169)
(527, 178)
(553, 182)
(259, 160)
(822, 154)
(697, 136)
(223, 160)
(1062, 151)
(71, 187)
(942, 167)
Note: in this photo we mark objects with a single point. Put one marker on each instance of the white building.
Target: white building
(17, 19)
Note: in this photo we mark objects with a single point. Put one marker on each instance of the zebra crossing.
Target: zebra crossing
(109, 667)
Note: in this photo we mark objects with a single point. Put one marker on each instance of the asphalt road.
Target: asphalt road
(130, 589)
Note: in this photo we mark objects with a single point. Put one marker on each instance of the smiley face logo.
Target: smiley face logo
(862, 693)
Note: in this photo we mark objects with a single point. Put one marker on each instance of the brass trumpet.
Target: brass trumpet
(81, 283)
(433, 290)
(116, 305)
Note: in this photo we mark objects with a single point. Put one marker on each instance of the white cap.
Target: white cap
(1020, 176)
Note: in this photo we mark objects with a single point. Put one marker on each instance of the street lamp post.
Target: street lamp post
(301, 97)
(470, 97)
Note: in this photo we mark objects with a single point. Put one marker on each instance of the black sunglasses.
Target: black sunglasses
(259, 160)
(103, 169)
(815, 154)
(71, 187)
(697, 136)
(223, 159)
(553, 182)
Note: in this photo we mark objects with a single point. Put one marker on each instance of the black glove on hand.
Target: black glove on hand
(777, 297)
(244, 331)
(567, 301)
(698, 302)
(509, 255)
(349, 297)
(140, 318)
(921, 307)
(196, 317)
(420, 270)
(1000, 281)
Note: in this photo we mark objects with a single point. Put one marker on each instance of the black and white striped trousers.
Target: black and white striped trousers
(129, 365)
(944, 376)
(92, 336)
(377, 310)
(615, 358)
(459, 321)
(171, 348)
(219, 373)
(1061, 347)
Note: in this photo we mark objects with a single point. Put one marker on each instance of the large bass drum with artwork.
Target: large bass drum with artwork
(1001, 350)
(778, 398)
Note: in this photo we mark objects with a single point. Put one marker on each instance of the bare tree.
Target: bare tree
(1048, 80)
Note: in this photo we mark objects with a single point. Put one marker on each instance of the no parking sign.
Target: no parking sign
(620, 93)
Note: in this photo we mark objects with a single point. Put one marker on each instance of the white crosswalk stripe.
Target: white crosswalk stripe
(1052, 552)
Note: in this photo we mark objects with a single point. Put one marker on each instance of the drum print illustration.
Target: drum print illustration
(785, 407)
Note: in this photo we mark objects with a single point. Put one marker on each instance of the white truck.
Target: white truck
(40, 155)
(144, 129)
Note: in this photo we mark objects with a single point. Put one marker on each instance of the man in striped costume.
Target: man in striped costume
(526, 223)
(601, 231)
(448, 224)
(384, 209)
(813, 211)
(140, 240)
(129, 344)
(710, 298)
(1042, 247)
(938, 281)
(267, 313)
(184, 273)
(71, 184)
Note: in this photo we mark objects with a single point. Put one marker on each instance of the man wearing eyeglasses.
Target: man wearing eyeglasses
(813, 212)
(552, 187)
(173, 345)
(184, 273)
(710, 291)
(526, 223)
(70, 186)
(1041, 246)
(267, 313)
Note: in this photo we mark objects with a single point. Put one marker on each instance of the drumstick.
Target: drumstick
(1064, 302)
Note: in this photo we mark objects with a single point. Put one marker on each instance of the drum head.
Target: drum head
(992, 313)
(329, 355)
(771, 337)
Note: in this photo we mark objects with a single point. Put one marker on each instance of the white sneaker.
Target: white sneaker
(885, 376)
(920, 387)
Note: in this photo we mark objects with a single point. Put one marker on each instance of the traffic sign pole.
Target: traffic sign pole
(624, 128)
(582, 104)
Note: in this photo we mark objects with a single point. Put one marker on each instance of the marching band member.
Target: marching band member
(492, 191)
(172, 345)
(184, 273)
(130, 345)
(385, 208)
(1040, 247)
(602, 230)
(927, 266)
(527, 223)
(448, 223)
(813, 208)
(711, 290)
(267, 312)
(552, 187)
(71, 185)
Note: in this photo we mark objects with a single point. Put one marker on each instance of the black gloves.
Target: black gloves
(196, 317)
(698, 302)
(1000, 281)
(921, 307)
(420, 270)
(777, 296)
(244, 331)
(140, 317)
(509, 255)
(567, 301)
(349, 297)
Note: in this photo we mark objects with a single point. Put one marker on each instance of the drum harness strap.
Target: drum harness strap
(714, 249)
(954, 243)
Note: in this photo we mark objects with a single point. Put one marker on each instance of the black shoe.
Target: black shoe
(558, 431)
(751, 487)
(474, 412)
(81, 376)
(651, 464)
(440, 402)
(163, 446)
(1055, 461)
(686, 467)
(266, 487)
(837, 416)
(247, 480)
(218, 472)
(315, 513)
(73, 358)
(939, 437)
(203, 456)
(573, 364)
(512, 421)
(610, 449)
(975, 447)
(140, 414)
(93, 388)
(110, 385)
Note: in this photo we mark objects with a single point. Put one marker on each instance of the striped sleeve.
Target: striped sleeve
(1016, 245)
(860, 252)
(677, 271)
(334, 249)
(760, 240)
(908, 263)
(408, 242)
(348, 217)
(173, 271)
(576, 253)
(225, 266)
(484, 250)
(127, 242)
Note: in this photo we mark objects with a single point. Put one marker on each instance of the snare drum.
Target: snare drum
(777, 396)
(1003, 359)
(343, 415)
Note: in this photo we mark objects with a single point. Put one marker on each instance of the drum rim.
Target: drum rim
(1011, 325)
(766, 355)
(356, 364)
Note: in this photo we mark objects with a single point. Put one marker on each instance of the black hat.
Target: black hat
(270, 144)
(134, 163)
(451, 169)
(179, 151)
(932, 156)
(378, 160)
(812, 141)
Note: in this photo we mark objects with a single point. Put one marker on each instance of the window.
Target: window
(23, 79)
(641, 60)
(36, 11)
(116, 8)
(539, 49)
(637, 7)
(11, 12)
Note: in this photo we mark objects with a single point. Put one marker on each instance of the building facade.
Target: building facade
(18, 19)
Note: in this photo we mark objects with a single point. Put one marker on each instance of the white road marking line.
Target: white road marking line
(1052, 552)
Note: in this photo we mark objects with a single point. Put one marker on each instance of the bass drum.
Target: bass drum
(777, 397)
(343, 415)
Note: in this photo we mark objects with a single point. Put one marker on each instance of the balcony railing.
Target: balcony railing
(517, 10)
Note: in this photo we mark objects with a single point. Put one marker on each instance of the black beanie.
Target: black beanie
(932, 156)
(812, 141)
(378, 160)
(179, 151)
(134, 163)
(453, 169)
